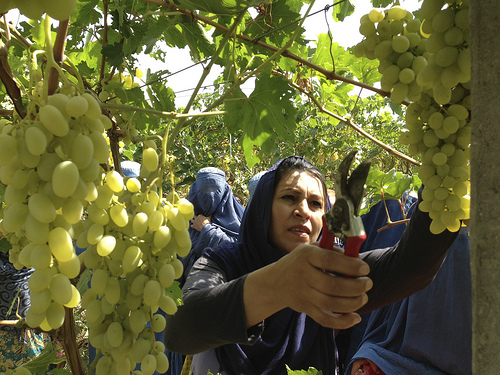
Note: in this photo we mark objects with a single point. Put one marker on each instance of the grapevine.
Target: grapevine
(61, 189)
(427, 63)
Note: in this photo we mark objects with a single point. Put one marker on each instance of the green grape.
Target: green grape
(99, 281)
(94, 109)
(396, 27)
(95, 233)
(97, 215)
(458, 158)
(162, 237)
(464, 62)
(367, 28)
(114, 334)
(178, 267)
(34, 319)
(40, 301)
(435, 43)
(140, 349)
(41, 256)
(448, 149)
(443, 20)
(453, 202)
(20, 179)
(442, 94)
(36, 141)
(8, 149)
(91, 173)
(27, 159)
(103, 366)
(430, 139)
(133, 185)
(406, 76)
(138, 284)
(101, 148)
(414, 39)
(439, 158)
(158, 323)
(132, 301)
(426, 171)
(182, 239)
(115, 181)
(72, 210)
(104, 197)
(71, 268)
(436, 120)
(383, 50)
(55, 315)
(454, 36)
(40, 279)
(53, 120)
(148, 364)
(460, 188)
(450, 76)
(61, 244)
(162, 363)
(166, 275)
(376, 15)
(462, 19)
(443, 170)
(112, 291)
(434, 182)
(106, 245)
(150, 159)
(400, 43)
(418, 64)
(396, 13)
(82, 151)
(458, 111)
(14, 217)
(137, 321)
(152, 292)
(450, 124)
(447, 56)
(437, 226)
(60, 288)
(140, 224)
(359, 49)
(441, 193)
(430, 73)
(156, 219)
(167, 305)
(47, 164)
(131, 258)
(438, 205)
(65, 178)
(119, 215)
(77, 106)
(459, 173)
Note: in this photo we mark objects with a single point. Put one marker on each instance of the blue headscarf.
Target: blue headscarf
(429, 332)
(211, 195)
(289, 338)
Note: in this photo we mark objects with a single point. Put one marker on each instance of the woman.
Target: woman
(265, 302)
(217, 214)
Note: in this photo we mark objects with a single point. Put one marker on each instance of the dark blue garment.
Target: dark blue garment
(289, 338)
(211, 196)
(429, 332)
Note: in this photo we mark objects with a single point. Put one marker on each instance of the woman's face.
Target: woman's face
(298, 205)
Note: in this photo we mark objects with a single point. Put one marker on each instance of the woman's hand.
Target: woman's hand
(199, 221)
(365, 367)
(299, 281)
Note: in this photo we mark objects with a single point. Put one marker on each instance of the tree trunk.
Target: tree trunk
(485, 189)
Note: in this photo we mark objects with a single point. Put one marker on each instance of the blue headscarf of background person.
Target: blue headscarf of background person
(429, 332)
(212, 198)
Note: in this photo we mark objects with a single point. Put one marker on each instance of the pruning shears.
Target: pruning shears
(342, 219)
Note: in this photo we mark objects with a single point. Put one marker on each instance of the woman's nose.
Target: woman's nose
(302, 210)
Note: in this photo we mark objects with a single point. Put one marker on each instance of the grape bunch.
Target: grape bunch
(434, 76)
(60, 190)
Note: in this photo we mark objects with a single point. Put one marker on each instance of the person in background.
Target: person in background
(265, 302)
(18, 345)
(429, 332)
(217, 214)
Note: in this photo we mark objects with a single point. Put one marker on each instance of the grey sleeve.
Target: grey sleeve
(409, 266)
(213, 313)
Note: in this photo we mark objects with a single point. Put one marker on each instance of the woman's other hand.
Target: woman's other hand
(199, 221)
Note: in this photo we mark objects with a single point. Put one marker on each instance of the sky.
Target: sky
(345, 33)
